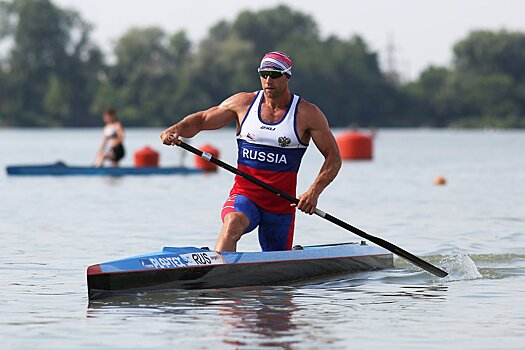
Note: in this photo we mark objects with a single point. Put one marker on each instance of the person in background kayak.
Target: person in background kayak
(112, 147)
(274, 128)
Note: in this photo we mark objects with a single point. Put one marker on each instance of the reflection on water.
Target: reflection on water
(255, 316)
(263, 317)
(278, 317)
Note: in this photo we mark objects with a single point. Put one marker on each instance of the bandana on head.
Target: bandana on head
(277, 60)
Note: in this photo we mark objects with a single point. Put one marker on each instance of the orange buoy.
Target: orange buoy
(354, 145)
(440, 181)
(201, 163)
(146, 157)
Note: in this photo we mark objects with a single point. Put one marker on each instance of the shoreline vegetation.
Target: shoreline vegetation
(52, 74)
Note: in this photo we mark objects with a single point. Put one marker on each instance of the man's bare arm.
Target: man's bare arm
(211, 119)
(325, 142)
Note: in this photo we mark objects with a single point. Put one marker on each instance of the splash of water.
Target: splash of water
(460, 267)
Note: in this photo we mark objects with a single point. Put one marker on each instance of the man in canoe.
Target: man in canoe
(274, 128)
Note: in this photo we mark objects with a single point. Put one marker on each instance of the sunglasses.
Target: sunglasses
(272, 73)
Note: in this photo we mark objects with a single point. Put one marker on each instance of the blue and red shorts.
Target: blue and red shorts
(275, 230)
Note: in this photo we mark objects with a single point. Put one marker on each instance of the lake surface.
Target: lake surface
(52, 228)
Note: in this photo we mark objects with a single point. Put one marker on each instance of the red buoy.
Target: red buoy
(201, 163)
(354, 145)
(146, 157)
(440, 181)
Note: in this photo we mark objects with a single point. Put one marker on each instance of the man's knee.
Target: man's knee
(235, 224)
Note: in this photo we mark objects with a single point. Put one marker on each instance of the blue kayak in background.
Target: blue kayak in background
(193, 268)
(61, 169)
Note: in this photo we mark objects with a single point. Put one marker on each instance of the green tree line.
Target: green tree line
(54, 74)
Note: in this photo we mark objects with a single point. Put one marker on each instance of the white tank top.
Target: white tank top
(282, 134)
(270, 152)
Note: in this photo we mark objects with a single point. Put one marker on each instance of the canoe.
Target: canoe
(61, 169)
(175, 268)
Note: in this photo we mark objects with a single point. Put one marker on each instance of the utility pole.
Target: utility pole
(391, 63)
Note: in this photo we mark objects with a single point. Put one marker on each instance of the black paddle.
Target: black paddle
(379, 241)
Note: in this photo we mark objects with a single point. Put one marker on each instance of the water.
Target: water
(474, 227)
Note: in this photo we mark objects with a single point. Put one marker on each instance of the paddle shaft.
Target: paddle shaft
(379, 241)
